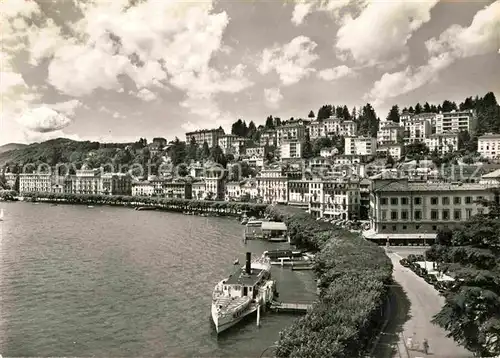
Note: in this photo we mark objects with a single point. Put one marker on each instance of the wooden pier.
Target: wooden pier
(290, 307)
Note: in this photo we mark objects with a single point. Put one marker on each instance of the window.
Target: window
(446, 215)
(480, 211)
(457, 214)
(480, 198)
(393, 227)
(418, 201)
(404, 201)
(394, 201)
(457, 200)
(468, 213)
(445, 200)
(434, 214)
(404, 215)
(383, 201)
(434, 227)
(418, 215)
(468, 199)
(434, 200)
(384, 227)
(404, 227)
(384, 214)
(417, 227)
(394, 215)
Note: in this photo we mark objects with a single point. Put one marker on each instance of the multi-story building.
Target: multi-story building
(38, 182)
(416, 130)
(177, 190)
(360, 146)
(455, 121)
(211, 136)
(229, 144)
(272, 185)
(116, 184)
(390, 133)
(339, 127)
(87, 181)
(233, 191)
(294, 131)
(488, 145)
(442, 143)
(142, 188)
(199, 192)
(257, 151)
(291, 149)
(411, 210)
(269, 137)
(393, 150)
(215, 179)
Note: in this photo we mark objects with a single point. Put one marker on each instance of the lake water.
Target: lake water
(107, 281)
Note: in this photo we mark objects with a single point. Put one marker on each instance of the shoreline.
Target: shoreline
(220, 208)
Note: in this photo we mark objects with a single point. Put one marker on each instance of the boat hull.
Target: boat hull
(224, 323)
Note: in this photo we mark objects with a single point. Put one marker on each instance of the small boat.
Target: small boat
(143, 208)
(90, 206)
(236, 262)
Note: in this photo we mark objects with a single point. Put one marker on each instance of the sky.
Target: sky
(118, 70)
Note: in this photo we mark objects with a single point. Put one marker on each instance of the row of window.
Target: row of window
(445, 214)
(445, 200)
(405, 227)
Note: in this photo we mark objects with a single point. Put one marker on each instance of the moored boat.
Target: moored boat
(242, 293)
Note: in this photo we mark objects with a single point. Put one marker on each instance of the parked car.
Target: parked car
(404, 262)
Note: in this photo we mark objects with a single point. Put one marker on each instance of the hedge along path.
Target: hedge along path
(353, 275)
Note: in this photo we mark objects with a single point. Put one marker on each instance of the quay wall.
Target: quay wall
(353, 281)
(223, 208)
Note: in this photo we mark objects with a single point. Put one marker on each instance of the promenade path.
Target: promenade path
(424, 303)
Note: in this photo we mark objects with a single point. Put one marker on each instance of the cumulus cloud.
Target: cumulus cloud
(381, 31)
(335, 73)
(43, 119)
(68, 108)
(152, 43)
(455, 43)
(291, 62)
(146, 95)
(273, 96)
(304, 8)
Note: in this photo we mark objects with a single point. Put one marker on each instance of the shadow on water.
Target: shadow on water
(399, 314)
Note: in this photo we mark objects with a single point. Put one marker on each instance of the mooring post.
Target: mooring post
(258, 315)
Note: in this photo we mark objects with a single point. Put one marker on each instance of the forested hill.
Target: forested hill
(11, 146)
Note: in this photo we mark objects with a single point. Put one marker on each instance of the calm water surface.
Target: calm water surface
(108, 282)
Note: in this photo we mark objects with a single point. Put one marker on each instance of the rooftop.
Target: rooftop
(240, 277)
(401, 185)
(273, 225)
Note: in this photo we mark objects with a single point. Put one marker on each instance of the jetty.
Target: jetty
(290, 307)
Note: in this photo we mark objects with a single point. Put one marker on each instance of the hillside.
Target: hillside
(11, 146)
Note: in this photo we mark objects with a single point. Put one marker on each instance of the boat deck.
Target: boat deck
(230, 304)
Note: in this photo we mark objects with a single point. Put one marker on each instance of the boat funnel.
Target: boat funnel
(248, 266)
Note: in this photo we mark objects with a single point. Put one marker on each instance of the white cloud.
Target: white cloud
(43, 119)
(335, 73)
(457, 42)
(333, 7)
(273, 96)
(146, 95)
(291, 62)
(68, 107)
(300, 11)
(381, 32)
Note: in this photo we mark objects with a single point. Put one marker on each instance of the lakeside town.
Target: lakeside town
(413, 180)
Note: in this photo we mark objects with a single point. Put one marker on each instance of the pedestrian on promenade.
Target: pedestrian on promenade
(425, 343)
(409, 343)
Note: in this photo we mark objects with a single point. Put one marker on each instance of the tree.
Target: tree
(411, 110)
(339, 111)
(416, 150)
(177, 152)
(368, 123)
(269, 122)
(427, 108)
(311, 114)
(205, 152)
(192, 153)
(252, 130)
(239, 128)
(418, 108)
(390, 162)
(325, 112)
(448, 106)
(354, 114)
(471, 313)
(393, 115)
(217, 155)
(345, 114)
(307, 151)
(320, 143)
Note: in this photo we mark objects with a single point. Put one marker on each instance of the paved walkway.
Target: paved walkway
(425, 302)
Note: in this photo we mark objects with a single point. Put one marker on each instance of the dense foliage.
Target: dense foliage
(224, 207)
(471, 313)
(347, 314)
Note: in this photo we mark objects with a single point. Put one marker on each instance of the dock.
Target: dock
(302, 268)
(290, 307)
